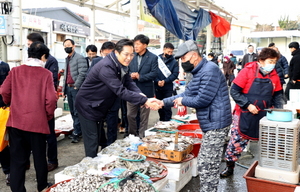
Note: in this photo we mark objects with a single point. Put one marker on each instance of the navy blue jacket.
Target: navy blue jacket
(52, 65)
(207, 92)
(147, 72)
(173, 66)
(101, 88)
(4, 70)
(282, 68)
(94, 62)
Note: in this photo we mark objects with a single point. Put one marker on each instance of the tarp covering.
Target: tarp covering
(177, 18)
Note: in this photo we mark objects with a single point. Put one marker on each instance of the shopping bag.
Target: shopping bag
(4, 114)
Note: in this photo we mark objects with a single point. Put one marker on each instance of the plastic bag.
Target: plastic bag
(219, 25)
(4, 114)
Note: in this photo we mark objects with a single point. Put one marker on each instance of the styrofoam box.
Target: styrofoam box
(277, 175)
(149, 132)
(177, 171)
(195, 171)
(58, 112)
(176, 186)
(160, 184)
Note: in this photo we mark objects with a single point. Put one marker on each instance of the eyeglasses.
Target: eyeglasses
(128, 54)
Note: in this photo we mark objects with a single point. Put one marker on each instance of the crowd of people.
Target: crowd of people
(128, 77)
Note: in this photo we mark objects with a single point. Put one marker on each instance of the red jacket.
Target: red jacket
(246, 77)
(32, 98)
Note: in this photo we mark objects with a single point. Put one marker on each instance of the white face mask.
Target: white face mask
(209, 59)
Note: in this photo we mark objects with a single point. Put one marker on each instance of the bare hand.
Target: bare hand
(133, 75)
(153, 104)
(161, 83)
(177, 101)
(252, 109)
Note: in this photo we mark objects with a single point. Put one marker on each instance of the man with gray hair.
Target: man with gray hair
(207, 92)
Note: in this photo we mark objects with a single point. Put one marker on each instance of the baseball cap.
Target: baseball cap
(185, 47)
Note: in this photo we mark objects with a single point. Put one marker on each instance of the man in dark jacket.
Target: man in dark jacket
(112, 117)
(91, 52)
(208, 94)
(294, 69)
(5, 153)
(143, 71)
(168, 71)
(250, 56)
(108, 80)
(51, 65)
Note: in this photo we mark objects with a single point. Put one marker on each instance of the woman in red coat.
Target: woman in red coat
(256, 88)
(29, 91)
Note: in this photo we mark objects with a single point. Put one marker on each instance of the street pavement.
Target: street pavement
(70, 154)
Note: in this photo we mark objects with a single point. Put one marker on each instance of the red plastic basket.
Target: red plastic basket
(192, 130)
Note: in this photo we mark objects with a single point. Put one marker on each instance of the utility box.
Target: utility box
(6, 25)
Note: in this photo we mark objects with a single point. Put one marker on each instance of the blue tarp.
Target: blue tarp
(178, 18)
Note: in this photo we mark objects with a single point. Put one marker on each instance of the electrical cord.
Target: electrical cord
(4, 39)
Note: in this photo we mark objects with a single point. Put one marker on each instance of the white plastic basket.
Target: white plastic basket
(279, 144)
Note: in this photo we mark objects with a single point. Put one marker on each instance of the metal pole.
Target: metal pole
(92, 29)
(15, 59)
(133, 18)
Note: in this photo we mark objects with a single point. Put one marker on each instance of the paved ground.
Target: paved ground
(70, 154)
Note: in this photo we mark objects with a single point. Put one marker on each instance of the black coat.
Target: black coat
(101, 88)
(294, 70)
(147, 71)
(282, 68)
(173, 66)
(52, 65)
(4, 70)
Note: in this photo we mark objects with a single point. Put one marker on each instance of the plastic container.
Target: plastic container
(196, 149)
(192, 130)
(66, 105)
(194, 121)
(284, 115)
(279, 144)
(260, 185)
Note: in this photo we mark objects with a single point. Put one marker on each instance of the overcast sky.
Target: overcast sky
(266, 10)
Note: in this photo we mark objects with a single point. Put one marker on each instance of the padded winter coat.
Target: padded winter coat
(208, 93)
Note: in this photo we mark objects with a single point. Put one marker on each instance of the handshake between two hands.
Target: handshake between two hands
(155, 104)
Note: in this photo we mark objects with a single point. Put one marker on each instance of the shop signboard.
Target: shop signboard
(65, 27)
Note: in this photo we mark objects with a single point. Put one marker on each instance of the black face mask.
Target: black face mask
(168, 56)
(68, 50)
(187, 66)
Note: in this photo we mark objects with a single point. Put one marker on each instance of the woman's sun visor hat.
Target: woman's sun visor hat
(185, 47)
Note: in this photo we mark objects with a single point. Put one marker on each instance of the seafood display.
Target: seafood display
(127, 181)
(88, 164)
(166, 141)
(166, 125)
(149, 168)
(120, 146)
(132, 156)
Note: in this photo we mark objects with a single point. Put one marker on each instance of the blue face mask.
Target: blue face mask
(269, 67)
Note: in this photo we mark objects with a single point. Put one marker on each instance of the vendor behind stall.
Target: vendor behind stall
(108, 80)
(208, 94)
(256, 88)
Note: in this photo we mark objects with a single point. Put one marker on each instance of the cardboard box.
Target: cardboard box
(165, 154)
